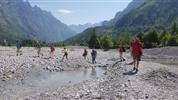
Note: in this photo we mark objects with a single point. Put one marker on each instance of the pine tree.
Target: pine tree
(94, 41)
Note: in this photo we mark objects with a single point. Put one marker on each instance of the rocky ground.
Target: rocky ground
(166, 55)
(154, 81)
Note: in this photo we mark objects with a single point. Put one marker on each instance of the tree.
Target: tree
(163, 38)
(106, 41)
(125, 38)
(94, 41)
(140, 36)
(151, 39)
(172, 41)
(174, 30)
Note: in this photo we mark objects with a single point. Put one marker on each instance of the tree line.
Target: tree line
(151, 39)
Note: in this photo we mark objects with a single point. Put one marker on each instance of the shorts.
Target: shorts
(18, 49)
(137, 57)
(65, 54)
(85, 54)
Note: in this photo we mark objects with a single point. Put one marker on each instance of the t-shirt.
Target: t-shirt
(52, 49)
(121, 48)
(65, 50)
(94, 53)
(18, 45)
(137, 48)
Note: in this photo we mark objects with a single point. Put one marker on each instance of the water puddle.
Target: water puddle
(61, 78)
(45, 81)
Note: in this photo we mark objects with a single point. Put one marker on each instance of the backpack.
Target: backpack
(124, 50)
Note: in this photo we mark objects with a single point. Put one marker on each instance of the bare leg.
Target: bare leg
(20, 52)
(67, 57)
(121, 56)
(137, 65)
(63, 57)
(17, 52)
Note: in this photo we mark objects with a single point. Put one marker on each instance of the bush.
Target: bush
(106, 42)
(151, 39)
(172, 41)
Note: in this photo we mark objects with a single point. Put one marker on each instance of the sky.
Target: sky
(82, 11)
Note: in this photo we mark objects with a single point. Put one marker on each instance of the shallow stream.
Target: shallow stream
(45, 81)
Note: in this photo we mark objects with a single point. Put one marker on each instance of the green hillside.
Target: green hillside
(158, 15)
(19, 20)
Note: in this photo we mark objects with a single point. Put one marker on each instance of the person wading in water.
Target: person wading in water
(93, 55)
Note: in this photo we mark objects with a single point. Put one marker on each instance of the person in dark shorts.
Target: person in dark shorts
(85, 53)
(19, 46)
(93, 55)
(65, 54)
(121, 51)
(137, 52)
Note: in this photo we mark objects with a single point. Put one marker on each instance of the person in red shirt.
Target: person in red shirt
(136, 52)
(52, 49)
(85, 53)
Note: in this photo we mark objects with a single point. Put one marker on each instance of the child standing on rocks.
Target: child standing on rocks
(19, 46)
(136, 52)
(65, 54)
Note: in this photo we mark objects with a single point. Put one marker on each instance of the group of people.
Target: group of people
(135, 49)
(93, 55)
(52, 50)
(38, 47)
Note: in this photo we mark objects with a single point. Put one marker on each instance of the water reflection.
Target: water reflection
(93, 72)
(85, 72)
(45, 80)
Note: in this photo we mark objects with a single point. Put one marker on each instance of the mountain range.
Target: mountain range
(139, 16)
(133, 5)
(19, 20)
(80, 28)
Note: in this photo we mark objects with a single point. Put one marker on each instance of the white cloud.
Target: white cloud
(65, 11)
